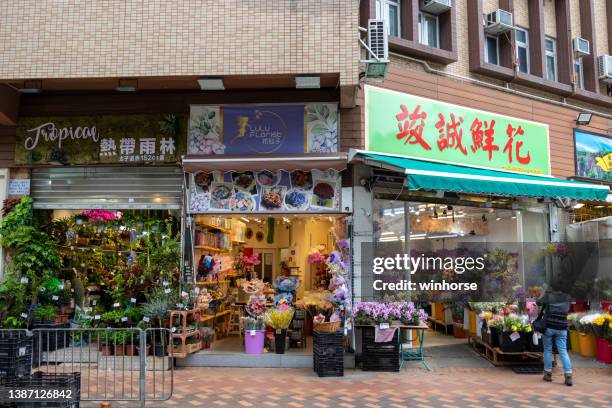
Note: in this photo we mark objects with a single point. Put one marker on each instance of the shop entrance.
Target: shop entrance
(235, 253)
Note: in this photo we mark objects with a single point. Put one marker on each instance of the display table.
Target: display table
(411, 354)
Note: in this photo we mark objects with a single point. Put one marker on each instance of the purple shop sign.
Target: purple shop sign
(263, 129)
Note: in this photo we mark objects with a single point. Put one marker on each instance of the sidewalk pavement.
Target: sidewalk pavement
(413, 386)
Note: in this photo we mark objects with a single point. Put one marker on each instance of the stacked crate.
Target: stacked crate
(15, 354)
(328, 354)
(379, 356)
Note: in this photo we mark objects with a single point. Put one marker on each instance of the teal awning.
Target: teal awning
(427, 175)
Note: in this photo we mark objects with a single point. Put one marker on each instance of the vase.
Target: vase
(587, 344)
(574, 341)
(254, 341)
(603, 350)
(279, 341)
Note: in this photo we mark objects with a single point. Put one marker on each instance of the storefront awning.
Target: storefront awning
(427, 175)
(289, 162)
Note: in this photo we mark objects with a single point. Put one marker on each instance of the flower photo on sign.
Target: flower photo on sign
(204, 136)
(322, 127)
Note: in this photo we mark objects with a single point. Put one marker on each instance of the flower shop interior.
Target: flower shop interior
(248, 264)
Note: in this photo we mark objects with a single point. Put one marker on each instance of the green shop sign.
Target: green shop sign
(408, 125)
(128, 139)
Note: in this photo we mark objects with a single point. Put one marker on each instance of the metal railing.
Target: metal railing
(116, 364)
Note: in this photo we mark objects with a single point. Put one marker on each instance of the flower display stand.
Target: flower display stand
(497, 357)
(182, 331)
(328, 354)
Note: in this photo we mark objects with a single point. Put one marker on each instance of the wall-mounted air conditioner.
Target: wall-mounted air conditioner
(604, 68)
(435, 6)
(581, 47)
(498, 22)
(378, 39)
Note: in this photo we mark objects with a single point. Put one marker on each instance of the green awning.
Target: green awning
(427, 175)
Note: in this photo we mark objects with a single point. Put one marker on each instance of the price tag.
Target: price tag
(24, 315)
(145, 319)
(252, 332)
(116, 305)
(173, 329)
(97, 317)
(183, 293)
(43, 289)
(61, 286)
(165, 283)
(54, 297)
(93, 302)
(87, 309)
(384, 326)
(72, 290)
(24, 279)
(515, 336)
(167, 290)
(22, 351)
(124, 319)
(133, 300)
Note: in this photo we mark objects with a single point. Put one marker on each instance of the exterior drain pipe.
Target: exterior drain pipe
(505, 88)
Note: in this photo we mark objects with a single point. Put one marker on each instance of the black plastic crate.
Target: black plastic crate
(508, 346)
(40, 380)
(368, 338)
(328, 354)
(15, 355)
(389, 363)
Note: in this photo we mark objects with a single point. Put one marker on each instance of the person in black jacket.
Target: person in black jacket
(556, 306)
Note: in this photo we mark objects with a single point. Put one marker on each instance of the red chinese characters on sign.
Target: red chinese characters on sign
(511, 131)
(487, 136)
(451, 134)
(411, 129)
(411, 125)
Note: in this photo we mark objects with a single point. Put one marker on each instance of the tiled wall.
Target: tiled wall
(129, 38)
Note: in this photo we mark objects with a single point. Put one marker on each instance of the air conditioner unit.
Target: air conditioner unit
(604, 67)
(378, 40)
(435, 6)
(498, 22)
(581, 47)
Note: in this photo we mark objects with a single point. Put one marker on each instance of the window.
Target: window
(492, 49)
(389, 10)
(579, 73)
(428, 30)
(550, 49)
(522, 50)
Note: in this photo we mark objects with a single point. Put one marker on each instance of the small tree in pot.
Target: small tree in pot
(157, 308)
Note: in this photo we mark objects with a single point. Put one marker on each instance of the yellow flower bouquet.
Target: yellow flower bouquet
(278, 319)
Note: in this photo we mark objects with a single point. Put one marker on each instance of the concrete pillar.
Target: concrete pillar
(362, 223)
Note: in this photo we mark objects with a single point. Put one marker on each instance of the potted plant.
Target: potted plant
(602, 329)
(586, 336)
(511, 337)
(106, 343)
(157, 308)
(279, 320)
(45, 314)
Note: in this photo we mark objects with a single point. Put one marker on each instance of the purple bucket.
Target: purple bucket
(254, 341)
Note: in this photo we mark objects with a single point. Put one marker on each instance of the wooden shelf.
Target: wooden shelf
(211, 249)
(180, 335)
(205, 283)
(206, 318)
(211, 226)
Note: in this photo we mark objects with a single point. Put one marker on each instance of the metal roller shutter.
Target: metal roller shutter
(107, 188)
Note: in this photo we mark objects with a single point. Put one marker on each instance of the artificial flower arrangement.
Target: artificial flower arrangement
(256, 306)
(253, 286)
(315, 257)
(316, 303)
(253, 323)
(278, 319)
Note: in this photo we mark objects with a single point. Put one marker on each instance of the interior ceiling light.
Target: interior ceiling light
(31, 87)
(584, 118)
(211, 84)
(127, 85)
(307, 82)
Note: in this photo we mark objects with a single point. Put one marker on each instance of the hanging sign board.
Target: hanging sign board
(593, 155)
(127, 139)
(263, 129)
(265, 191)
(408, 125)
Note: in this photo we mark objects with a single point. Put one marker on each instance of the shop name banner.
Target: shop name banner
(408, 125)
(593, 155)
(263, 129)
(265, 191)
(100, 139)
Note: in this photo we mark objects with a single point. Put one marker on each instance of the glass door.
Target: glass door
(266, 270)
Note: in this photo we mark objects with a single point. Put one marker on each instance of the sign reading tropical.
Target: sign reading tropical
(408, 125)
(593, 155)
(263, 129)
(128, 139)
